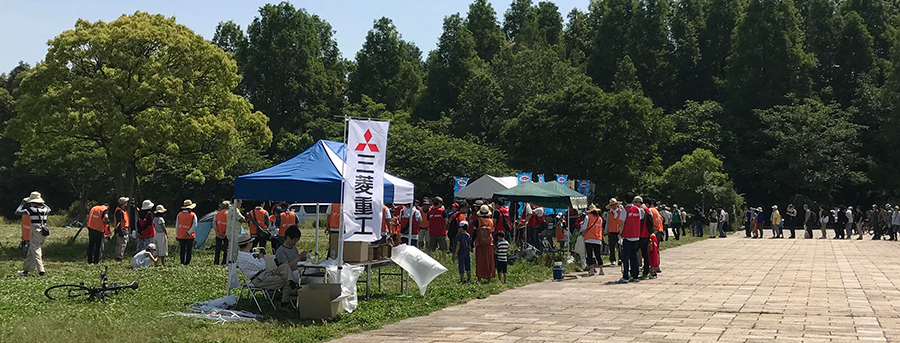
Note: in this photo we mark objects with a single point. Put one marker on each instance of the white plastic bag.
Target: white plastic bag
(421, 267)
(580, 248)
(349, 275)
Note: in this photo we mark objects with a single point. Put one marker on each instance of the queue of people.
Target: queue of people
(845, 222)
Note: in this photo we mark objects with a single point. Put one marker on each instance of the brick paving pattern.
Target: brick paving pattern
(728, 290)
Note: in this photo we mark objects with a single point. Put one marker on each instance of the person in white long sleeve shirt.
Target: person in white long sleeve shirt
(34, 207)
(253, 266)
(849, 226)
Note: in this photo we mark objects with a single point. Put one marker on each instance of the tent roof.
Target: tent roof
(312, 176)
(546, 194)
(486, 186)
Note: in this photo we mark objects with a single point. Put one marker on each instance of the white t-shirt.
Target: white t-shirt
(141, 260)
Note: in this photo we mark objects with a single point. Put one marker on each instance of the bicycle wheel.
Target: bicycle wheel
(68, 292)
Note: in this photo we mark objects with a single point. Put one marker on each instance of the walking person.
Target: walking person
(34, 207)
(123, 227)
(98, 228)
(631, 233)
(790, 220)
(776, 223)
(185, 226)
(614, 223)
(593, 240)
(161, 238)
(144, 227)
(484, 245)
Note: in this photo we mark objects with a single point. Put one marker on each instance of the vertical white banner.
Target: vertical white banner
(364, 180)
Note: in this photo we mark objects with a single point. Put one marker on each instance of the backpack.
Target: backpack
(483, 234)
(454, 223)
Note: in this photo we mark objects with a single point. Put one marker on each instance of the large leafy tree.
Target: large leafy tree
(516, 17)
(688, 22)
(549, 23)
(880, 17)
(820, 23)
(577, 38)
(135, 91)
(291, 68)
(617, 134)
(699, 178)
(650, 49)
(449, 68)
(854, 57)
(610, 22)
(229, 37)
(486, 32)
(696, 127)
(388, 69)
(715, 46)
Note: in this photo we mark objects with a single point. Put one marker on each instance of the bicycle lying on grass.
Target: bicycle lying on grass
(80, 291)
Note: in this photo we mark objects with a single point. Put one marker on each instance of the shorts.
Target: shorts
(501, 267)
(464, 263)
(438, 242)
(423, 236)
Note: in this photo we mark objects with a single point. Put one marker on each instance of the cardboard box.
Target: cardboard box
(320, 301)
(374, 253)
(385, 251)
(356, 251)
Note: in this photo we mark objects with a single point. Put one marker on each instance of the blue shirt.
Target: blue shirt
(464, 242)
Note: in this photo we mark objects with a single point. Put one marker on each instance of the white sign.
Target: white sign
(364, 180)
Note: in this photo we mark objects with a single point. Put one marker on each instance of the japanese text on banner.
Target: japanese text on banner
(363, 197)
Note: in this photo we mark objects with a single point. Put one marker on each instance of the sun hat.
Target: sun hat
(439, 199)
(160, 209)
(123, 200)
(613, 202)
(146, 205)
(775, 207)
(34, 198)
(188, 204)
(638, 199)
(485, 211)
(593, 209)
(151, 246)
(426, 202)
(244, 239)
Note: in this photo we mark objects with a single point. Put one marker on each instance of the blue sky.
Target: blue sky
(26, 26)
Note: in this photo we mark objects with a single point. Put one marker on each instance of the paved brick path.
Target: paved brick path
(732, 290)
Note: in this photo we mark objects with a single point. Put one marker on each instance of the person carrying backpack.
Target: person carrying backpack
(484, 245)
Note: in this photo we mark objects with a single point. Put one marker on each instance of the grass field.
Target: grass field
(139, 316)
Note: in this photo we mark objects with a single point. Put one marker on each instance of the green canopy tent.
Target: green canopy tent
(546, 194)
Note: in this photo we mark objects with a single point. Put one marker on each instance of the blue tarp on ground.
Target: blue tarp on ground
(313, 176)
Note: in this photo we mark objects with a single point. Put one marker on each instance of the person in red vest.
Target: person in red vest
(592, 227)
(185, 226)
(144, 226)
(437, 226)
(98, 226)
(221, 225)
(501, 220)
(631, 236)
(535, 224)
(408, 212)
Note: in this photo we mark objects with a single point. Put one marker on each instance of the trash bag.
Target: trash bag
(421, 267)
(580, 248)
(349, 275)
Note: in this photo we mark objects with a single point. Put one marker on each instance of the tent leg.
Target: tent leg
(316, 252)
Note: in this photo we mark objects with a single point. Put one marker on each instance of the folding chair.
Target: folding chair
(246, 283)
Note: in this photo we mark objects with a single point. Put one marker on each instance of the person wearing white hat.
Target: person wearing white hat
(123, 227)
(145, 257)
(161, 236)
(185, 226)
(145, 230)
(34, 207)
(776, 223)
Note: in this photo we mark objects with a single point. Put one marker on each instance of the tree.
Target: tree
(619, 135)
(136, 90)
(696, 127)
(715, 46)
(854, 57)
(515, 18)
(610, 22)
(292, 70)
(516, 72)
(626, 77)
(651, 50)
(577, 37)
(812, 154)
(388, 69)
(820, 24)
(687, 24)
(448, 69)
(700, 179)
(481, 110)
(549, 23)
(482, 23)
(229, 37)
(879, 16)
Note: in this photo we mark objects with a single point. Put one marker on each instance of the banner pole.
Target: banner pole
(340, 252)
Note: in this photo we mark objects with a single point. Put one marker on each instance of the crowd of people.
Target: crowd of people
(844, 221)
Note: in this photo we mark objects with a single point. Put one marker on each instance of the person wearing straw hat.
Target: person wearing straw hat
(161, 236)
(592, 227)
(185, 226)
(34, 207)
(253, 266)
(615, 219)
(123, 226)
(144, 227)
(484, 245)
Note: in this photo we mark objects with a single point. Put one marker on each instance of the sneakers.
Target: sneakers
(652, 276)
(22, 273)
(633, 280)
(622, 280)
(645, 277)
(591, 272)
(600, 272)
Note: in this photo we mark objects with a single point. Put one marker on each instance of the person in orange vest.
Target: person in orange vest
(386, 222)
(98, 225)
(185, 226)
(26, 234)
(123, 226)
(615, 221)
(657, 221)
(221, 224)
(424, 233)
(259, 222)
(592, 227)
(283, 220)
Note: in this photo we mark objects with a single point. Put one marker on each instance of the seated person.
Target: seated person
(145, 258)
(253, 266)
(287, 253)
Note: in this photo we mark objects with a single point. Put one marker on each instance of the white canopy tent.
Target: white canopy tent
(486, 186)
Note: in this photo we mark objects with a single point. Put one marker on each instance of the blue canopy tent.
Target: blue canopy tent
(313, 176)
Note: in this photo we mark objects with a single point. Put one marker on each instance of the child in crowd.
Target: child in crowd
(654, 256)
(462, 252)
(502, 248)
